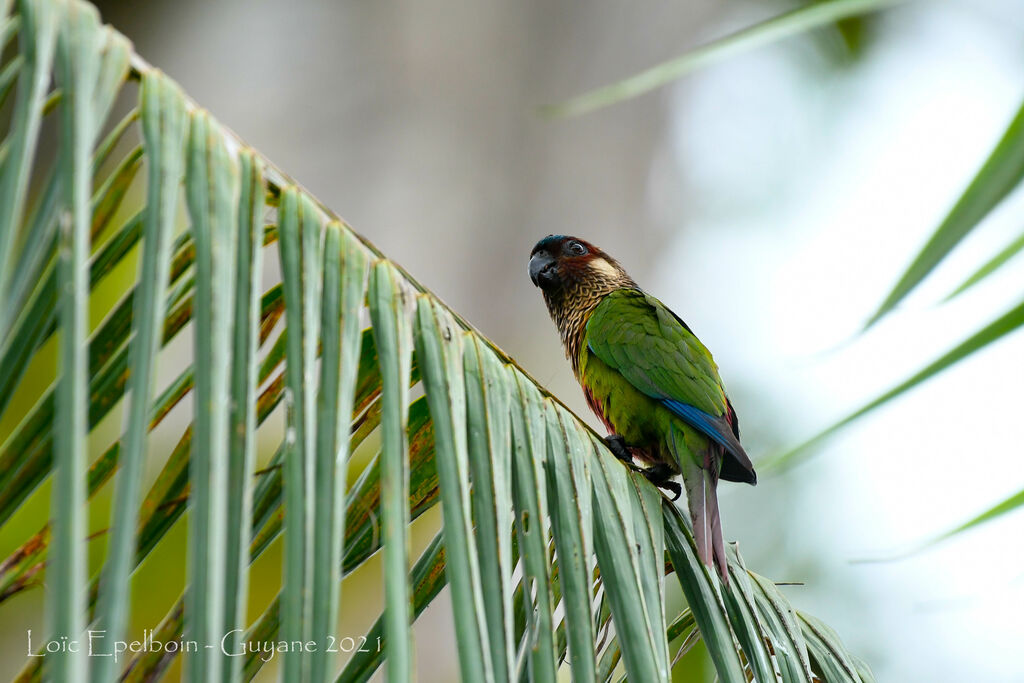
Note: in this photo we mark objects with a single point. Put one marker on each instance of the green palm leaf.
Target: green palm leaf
(990, 266)
(792, 23)
(554, 551)
(1009, 322)
(1001, 173)
(245, 341)
(162, 110)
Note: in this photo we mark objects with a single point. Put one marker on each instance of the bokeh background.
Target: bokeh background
(771, 200)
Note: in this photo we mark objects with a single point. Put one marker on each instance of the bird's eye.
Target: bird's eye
(575, 248)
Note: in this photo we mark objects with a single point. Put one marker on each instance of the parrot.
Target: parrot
(648, 378)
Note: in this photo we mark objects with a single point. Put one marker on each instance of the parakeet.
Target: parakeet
(647, 377)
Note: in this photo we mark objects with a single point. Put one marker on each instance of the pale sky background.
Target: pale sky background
(806, 196)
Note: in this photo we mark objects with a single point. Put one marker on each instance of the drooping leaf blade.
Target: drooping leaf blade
(39, 28)
(777, 28)
(392, 333)
(489, 441)
(991, 333)
(77, 64)
(1001, 172)
(212, 192)
(163, 123)
(439, 350)
(568, 479)
(532, 512)
(998, 510)
(243, 419)
(639, 622)
(344, 279)
(299, 240)
(990, 266)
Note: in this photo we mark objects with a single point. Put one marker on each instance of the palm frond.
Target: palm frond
(553, 550)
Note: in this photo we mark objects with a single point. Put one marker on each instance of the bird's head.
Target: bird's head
(559, 263)
(574, 277)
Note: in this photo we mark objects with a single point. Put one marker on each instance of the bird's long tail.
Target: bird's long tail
(702, 498)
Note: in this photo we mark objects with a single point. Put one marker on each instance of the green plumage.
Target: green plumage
(648, 377)
(636, 353)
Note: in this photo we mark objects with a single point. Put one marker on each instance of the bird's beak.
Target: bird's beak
(542, 269)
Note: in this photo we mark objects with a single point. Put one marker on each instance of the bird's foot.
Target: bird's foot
(661, 476)
(617, 445)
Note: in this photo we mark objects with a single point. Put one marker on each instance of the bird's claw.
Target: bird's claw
(617, 445)
(661, 476)
(675, 489)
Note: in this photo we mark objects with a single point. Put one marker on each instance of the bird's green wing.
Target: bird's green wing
(635, 334)
(654, 350)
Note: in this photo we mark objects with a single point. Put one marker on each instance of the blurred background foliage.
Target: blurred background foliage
(772, 200)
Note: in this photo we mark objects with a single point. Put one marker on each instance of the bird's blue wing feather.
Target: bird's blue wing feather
(715, 427)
